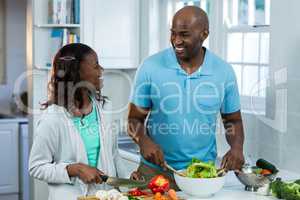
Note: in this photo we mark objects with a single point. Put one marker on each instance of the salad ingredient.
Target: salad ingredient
(172, 194)
(159, 184)
(199, 169)
(136, 192)
(265, 172)
(110, 195)
(261, 163)
(283, 190)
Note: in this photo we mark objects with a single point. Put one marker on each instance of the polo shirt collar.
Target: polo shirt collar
(204, 70)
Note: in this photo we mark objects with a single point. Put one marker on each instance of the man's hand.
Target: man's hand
(233, 159)
(136, 176)
(152, 152)
(86, 173)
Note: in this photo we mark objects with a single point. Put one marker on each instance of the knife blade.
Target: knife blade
(123, 182)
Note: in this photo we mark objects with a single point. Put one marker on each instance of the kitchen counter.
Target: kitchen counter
(232, 190)
(231, 193)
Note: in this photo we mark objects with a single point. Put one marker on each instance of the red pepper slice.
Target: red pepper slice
(159, 184)
(136, 192)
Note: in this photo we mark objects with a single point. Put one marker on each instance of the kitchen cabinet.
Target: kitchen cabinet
(112, 29)
(9, 173)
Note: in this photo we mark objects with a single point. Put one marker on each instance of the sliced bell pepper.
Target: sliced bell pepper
(137, 192)
(265, 172)
(159, 184)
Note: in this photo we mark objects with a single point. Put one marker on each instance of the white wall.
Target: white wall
(15, 50)
(286, 37)
(276, 136)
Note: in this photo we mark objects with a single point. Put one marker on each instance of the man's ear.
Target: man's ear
(204, 34)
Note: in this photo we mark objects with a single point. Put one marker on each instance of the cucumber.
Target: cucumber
(262, 163)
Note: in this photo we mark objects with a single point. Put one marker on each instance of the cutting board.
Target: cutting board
(88, 198)
(148, 197)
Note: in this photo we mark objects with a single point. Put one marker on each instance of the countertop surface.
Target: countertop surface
(231, 193)
(13, 120)
(233, 189)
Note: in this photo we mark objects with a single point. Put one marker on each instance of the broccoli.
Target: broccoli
(291, 191)
(297, 181)
(287, 191)
(276, 188)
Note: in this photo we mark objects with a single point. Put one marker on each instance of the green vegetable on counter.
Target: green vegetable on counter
(287, 191)
(133, 198)
(297, 181)
(199, 169)
(262, 163)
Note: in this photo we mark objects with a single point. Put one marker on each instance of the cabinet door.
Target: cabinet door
(112, 29)
(9, 174)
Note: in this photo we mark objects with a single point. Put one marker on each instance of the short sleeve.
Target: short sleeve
(141, 91)
(231, 101)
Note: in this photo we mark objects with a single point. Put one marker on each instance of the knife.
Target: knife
(123, 182)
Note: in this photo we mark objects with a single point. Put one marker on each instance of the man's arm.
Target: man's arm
(138, 132)
(234, 158)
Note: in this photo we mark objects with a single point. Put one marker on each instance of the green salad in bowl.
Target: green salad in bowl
(199, 169)
(200, 179)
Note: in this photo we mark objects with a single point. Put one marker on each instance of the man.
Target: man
(176, 98)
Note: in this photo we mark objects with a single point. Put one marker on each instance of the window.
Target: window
(247, 37)
(2, 42)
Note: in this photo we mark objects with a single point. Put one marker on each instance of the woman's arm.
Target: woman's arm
(41, 161)
(43, 166)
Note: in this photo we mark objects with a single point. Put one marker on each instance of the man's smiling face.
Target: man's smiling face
(187, 35)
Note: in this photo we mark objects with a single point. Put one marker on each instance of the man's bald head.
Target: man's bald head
(192, 15)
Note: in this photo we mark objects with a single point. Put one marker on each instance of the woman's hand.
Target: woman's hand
(86, 173)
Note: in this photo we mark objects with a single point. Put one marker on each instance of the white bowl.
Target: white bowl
(199, 187)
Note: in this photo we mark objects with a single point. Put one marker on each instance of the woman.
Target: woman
(72, 149)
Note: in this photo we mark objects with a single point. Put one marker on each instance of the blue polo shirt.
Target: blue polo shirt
(184, 107)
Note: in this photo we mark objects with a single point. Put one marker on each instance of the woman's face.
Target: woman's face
(91, 71)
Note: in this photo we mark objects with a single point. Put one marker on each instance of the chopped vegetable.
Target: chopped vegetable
(265, 172)
(112, 194)
(159, 184)
(297, 181)
(199, 169)
(136, 192)
(172, 194)
(261, 163)
(257, 170)
(288, 191)
(276, 188)
(157, 196)
(132, 198)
